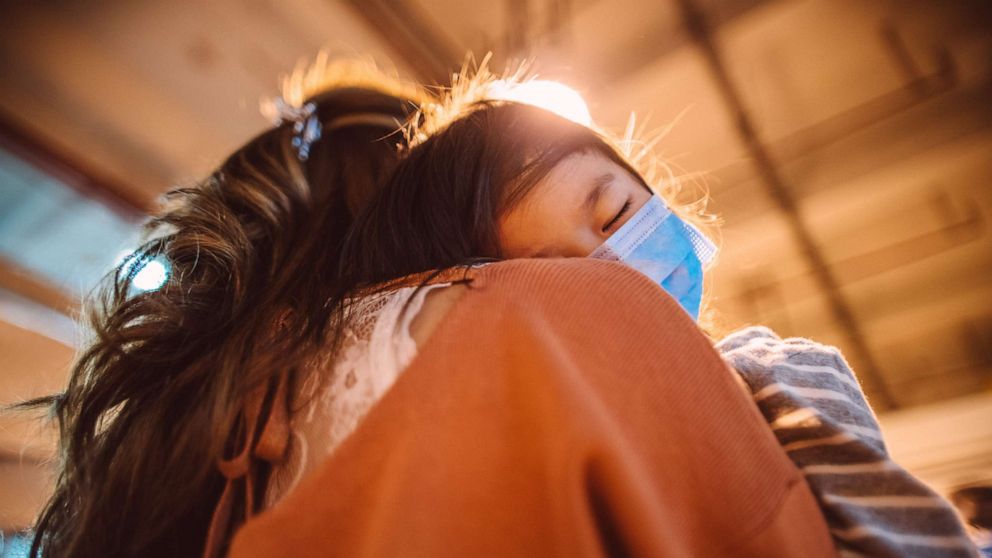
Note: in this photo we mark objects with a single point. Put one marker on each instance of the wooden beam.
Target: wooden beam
(24, 283)
(70, 171)
(696, 22)
(409, 34)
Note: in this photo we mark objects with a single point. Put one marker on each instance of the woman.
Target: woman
(158, 391)
(522, 422)
(532, 407)
(494, 181)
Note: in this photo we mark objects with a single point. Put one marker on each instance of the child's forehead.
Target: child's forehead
(579, 173)
(582, 164)
(572, 189)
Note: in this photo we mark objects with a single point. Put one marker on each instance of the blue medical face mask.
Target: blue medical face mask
(668, 250)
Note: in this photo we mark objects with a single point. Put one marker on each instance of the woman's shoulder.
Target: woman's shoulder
(525, 270)
(547, 286)
(458, 280)
(526, 276)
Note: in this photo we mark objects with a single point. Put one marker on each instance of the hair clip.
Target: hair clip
(306, 126)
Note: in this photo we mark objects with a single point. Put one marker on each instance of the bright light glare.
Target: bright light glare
(152, 275)
(548, 95)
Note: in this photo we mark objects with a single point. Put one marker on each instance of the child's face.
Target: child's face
(572, 210)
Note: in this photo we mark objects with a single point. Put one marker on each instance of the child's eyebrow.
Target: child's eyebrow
(599, 186)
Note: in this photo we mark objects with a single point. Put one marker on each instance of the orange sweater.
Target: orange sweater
(563, 408)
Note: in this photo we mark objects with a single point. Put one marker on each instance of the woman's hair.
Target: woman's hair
(153, 398)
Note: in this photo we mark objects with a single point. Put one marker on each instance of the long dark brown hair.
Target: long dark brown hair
(153, 397)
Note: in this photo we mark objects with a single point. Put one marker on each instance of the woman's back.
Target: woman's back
(541, 417)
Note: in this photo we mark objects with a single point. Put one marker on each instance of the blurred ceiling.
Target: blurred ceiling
(846, 145)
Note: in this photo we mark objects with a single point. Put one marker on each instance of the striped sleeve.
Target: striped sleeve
(815, 406)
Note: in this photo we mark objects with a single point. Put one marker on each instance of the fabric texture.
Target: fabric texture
(532, 425)
(814, 405)
(376, 349)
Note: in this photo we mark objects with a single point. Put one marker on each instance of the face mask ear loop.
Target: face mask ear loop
(704, 248)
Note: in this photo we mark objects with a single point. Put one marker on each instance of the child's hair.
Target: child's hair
(153, 398)
(470, 160)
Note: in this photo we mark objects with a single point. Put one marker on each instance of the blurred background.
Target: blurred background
(847, 146)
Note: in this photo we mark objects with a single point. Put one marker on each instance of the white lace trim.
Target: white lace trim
(377, 348)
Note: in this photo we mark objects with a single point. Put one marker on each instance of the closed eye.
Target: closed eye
(623, 211)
